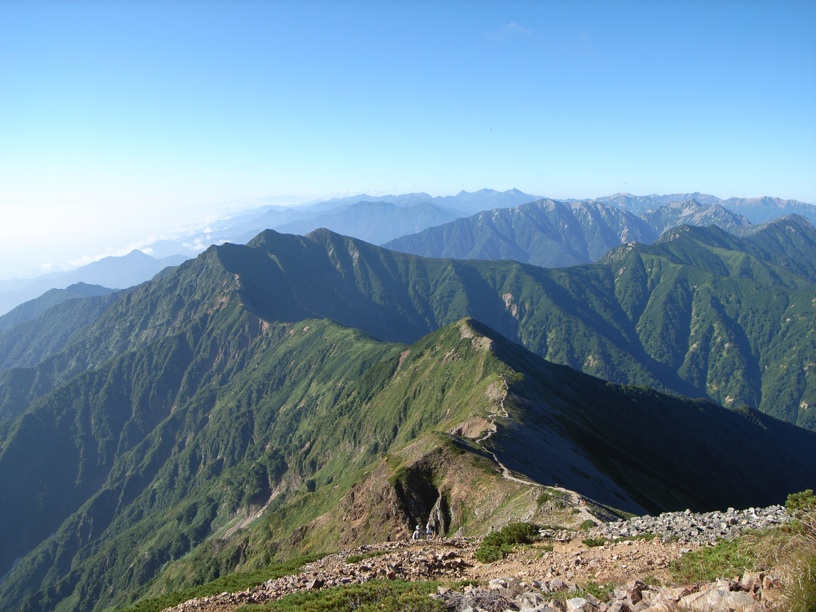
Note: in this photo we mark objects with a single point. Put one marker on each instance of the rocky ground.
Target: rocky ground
(546, 575)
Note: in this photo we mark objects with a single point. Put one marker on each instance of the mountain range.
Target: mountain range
(296, 394)
(212, 424)
(701, 312)
(379, 219)
(402, 214)
(372, 218)
(554, 234)
(757, 210)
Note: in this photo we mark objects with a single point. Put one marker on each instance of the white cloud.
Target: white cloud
(509, 30)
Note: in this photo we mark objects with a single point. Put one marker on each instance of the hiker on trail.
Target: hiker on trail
(417, 533)
(429, 533)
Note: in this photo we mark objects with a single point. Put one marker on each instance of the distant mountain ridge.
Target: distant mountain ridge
(373, 221)
(757, 210)
(398, 214)
(112, 272)
(552, 233)
(464, 203)
(345, 215)
(36, 307)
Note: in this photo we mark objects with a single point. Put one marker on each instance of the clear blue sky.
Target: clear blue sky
(123, 119)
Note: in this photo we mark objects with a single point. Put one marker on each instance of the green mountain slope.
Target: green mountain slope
(789, 243)
(240, 441)
(545, 233)
(699, 313)
(30, 342)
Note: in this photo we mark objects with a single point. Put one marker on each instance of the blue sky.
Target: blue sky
(125, 120)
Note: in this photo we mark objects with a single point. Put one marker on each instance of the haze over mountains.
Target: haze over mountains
(239, 408)
(112, 272)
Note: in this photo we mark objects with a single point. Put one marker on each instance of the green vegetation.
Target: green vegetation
(558, 499)
(599, 591)
(801, 503)
(498, 544)
(726, 559)
(791, 549)
(377, 595)
(368, 555)
(801, 566)
(594, 542)
(587, 525)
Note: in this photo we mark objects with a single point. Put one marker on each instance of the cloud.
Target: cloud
(510, 30)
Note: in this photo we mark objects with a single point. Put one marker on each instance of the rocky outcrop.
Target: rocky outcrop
(753, 593)
(697, 528)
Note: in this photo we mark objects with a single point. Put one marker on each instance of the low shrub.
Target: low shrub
(594, 542)
(800, 503)
(800, 567)
(488, 553)
(498, 544)
(727, 558)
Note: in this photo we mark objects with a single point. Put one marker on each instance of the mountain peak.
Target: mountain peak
(788, 221)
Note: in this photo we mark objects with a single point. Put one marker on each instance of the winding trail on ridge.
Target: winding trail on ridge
(573, 498)
(506, 473)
